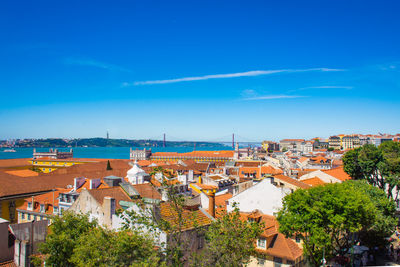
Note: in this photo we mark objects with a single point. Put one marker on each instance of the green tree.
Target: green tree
(379, 166)
(385, 219)
(149, 220)
(63, 236)
(325, 217)
(101, 247)
(108, 166)
(230, 241)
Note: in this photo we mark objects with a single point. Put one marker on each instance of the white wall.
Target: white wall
(263, 196)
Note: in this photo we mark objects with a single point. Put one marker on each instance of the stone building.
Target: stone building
(53, 154)
(140, 154)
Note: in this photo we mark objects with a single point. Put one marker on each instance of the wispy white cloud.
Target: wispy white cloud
(228, 75)
(248, 93)
(329, 87)
(94, 63)
(271, 97)
(389, 66)
(322, 87)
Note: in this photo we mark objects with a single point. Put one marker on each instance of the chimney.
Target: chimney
(211, 203)
(190, 176)
(109, 210)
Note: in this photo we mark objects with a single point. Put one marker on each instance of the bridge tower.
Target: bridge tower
(164, 141)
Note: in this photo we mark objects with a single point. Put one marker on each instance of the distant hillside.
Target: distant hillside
(103, 142)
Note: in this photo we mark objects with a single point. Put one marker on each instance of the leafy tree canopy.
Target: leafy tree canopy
(230, 241)
(102, 247)
(63, 236)
(379, 166)
(324, 217)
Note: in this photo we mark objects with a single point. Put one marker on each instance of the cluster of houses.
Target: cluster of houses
(336, 142)
(212, 184)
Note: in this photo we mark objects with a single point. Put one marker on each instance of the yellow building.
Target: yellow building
(8, 208)
(270, 146)
(48, 165)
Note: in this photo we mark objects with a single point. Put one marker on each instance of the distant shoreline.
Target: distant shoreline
(104, 142)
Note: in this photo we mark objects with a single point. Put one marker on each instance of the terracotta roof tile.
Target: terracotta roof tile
(219, 153)
(48, 199)
(292, 140)
(61, 178)
(256, 170)
(8, 264)
(314, 181)
(147, 191)
(7, 163)
(115, 192)
(23, 173)
(220, 200)
(277, 244)
(190, 218)
(338, 173)
(292, 181)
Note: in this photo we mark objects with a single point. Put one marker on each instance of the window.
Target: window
(29, 216)
(29, 205)
(277, 261)
(261, 243)
(11, 209)
(200, 243)
(297, 239)
(260, 261)
(55, 209)
(11, 239)
(22, 216)
(42, 208)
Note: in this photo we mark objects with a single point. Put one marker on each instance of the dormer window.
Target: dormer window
(30, 205)
(261, 243)
(42, 208)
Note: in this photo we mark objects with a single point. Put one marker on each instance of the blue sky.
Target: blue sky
(199, 70)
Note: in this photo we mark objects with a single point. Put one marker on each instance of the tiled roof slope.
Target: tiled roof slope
(292, 181)
(115, 192)
(221, 153)
(190, 218)
(147, 191)
(9, 163)
(14, 185)
(277, 244)
(23, 173)
(314, 181)
(47, 198)
(283, 247)
(8, 264)
(338, 173)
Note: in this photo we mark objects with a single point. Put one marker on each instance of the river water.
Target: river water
(103, 152)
